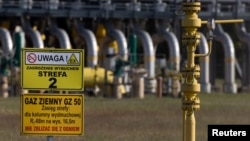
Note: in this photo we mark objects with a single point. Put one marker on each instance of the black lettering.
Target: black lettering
(40, 73)
(38, 68)
(30, 100)
(41, 101)
(68, 101)
(50, 101)
(66, 68)
(50, 108)
(50, 58)
(52, 74)
(53, 84)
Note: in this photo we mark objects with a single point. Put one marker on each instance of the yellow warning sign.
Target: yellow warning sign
(52, 114)
(72, 59)
(60, 69)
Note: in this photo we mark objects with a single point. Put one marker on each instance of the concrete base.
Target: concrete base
(4, 86)
(230, 88)
(206, 88)
(150, 85)
(138, 87)
(117, 87)
(245, 89)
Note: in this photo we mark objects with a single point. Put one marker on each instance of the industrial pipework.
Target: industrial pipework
(204, 65)
(244, 37)
(6, 40)
(19, 39)
(149, 59)
(91, 42)
(229, 85)
(191, 72)
(33, 34)
(172, 71)
(164, 34)
(7, 46)
(118, 35)
(61, 35)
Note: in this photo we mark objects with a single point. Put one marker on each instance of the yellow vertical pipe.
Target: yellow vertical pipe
(184, 126)
(190, 128)
(191, 72)
(190, 87)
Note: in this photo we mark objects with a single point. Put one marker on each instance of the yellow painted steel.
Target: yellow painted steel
(191, 72)
(225, 21)
(5, 24)
(99, 77)
(101, 33)
(96, 76)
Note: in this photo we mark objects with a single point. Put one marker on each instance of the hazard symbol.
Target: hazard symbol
(31, 57)
(73, 59)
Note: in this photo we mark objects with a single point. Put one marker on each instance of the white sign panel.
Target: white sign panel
(52, 58)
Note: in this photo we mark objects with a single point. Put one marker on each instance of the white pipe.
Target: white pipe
(33, 34)
(204, 65)
(119, 36)
(6, 41)
(149, 53)
(90, 39)
(174, 49)
(244, 37)
(223, 37)
(149, 59)
(61, 35)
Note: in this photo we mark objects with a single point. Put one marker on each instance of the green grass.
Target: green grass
(131, 119)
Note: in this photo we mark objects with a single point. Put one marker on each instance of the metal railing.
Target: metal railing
(165, 9)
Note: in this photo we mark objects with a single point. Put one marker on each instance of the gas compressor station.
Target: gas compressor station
(52, 113)
(132, 48)
(129, 44)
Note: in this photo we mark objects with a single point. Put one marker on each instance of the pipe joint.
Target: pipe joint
(190, 104)
(191, 6)
(191, 40)
(191, 75)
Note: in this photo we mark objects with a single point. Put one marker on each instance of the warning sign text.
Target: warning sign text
(52, 114)
(52, 69)
(49, 58)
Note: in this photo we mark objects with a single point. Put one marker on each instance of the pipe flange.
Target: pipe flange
(191, 40)
(191, 6)
(193, 72)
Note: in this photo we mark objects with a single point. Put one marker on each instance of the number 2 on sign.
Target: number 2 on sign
(53, 83)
